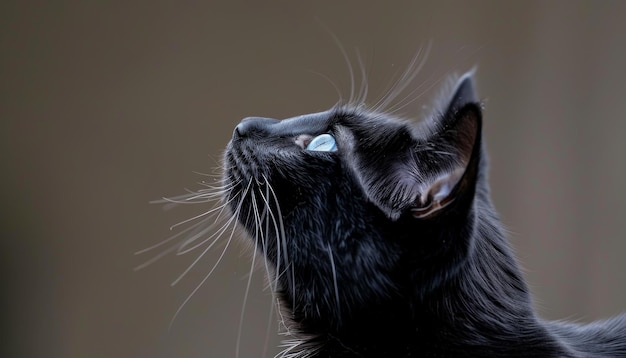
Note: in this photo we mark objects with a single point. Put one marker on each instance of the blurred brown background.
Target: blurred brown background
(106, 106)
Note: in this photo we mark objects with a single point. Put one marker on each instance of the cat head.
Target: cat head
(352, 208)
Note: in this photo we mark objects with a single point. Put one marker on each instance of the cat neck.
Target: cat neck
(485, 310)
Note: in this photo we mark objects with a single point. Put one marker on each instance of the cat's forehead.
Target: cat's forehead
(380, 127)
(355, 118)
(357, 125)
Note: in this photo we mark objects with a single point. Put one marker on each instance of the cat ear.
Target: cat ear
(463, 93)
(457, 134)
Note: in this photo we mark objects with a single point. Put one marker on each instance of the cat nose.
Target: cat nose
(251, 125)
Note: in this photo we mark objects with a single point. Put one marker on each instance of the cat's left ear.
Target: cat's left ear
(456, 136)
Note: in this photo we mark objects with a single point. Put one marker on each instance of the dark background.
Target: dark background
(106, 106)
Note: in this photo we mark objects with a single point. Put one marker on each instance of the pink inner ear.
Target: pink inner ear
(438, 195)
(444, 190)
(443, 186)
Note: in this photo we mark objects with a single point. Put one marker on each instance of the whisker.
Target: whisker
(406, 78)
(221, 231)
(219, 234)
(234, 226)
(282, 237)
(258, 234)
(266, 341)
(444, 153)
(272, 281)
(155, 258)
(189, 239)
(362, 97)
(161, 243)
(389, 92)
(259, 219)
(334, 271)
(192, 195)
(193, 198)
(267, 213)
(183, 249)
(217, 175)
(246, 294)
(170, 249)
(346, 59)
(220, 207)
(205, 277)
(426, 86)
(223, 186)
(332, 83)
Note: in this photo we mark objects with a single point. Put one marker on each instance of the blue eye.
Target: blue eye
(322, 143)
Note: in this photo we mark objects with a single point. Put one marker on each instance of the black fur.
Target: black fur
(367, 264)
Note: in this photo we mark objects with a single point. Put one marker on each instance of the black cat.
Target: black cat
(384, 242)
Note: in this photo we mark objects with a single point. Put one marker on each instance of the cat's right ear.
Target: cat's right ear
(456, 134)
